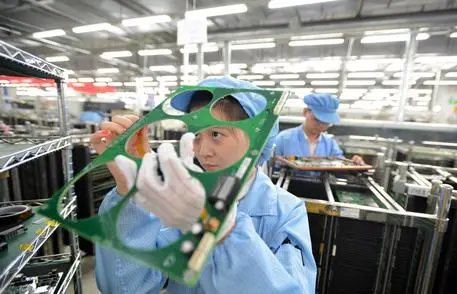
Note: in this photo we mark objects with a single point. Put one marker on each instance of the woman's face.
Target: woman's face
(219, 147)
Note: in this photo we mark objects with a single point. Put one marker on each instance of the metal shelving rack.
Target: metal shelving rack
(14, 61)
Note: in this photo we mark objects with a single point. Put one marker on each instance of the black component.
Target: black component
(226, 189)
(12, 232)
(11, 216)
(3, 246)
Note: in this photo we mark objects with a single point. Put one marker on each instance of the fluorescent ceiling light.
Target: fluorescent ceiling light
(167, 68)
(189, 78)
(48, 34)
(207, 47)
(323, 76)
(217, 11)
(265, 40)
(274, 4)
(57, 58)
(326, 90)
(284, 76)
(150, 84)
(69, 71)
(453, 35)
(115, 84)
(70, 80)
(103, 80)
(392, 38)
(384, 32)
(292, 83)
(317, 42)
(320, 36)
(106, 70)
(360, 82)
(86, 80)
(273, 64)
(145, 79)
(363, 75)
(99, 84)
(140, 21)
(324, 83)
(452, 74)
(441, 83)
(396, 82)
(129, 84)
(253, 46)
(104, 26)
(436, 59)
(169, 84)
(416, 75)
(167, 78)
(264, 83)
(250, 77)
(115, 54)
(150, 52)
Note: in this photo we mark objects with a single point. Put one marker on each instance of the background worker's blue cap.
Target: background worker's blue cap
(324, 107)
(252, 103)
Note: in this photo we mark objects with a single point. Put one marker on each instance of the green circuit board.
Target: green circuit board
(183, 266)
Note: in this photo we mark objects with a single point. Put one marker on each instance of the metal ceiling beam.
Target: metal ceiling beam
(352, 25)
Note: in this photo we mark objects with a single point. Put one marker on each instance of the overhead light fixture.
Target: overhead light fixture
(436, 59)
(151, 52)
(360, 82)
(85, 80)
(107, 70)
(116, 54)
(275, 4)
(326, 90)
(69, 71)
(115, 84)
(103, 80)
(363, 75)
(129, 84)
(99, 84)
(323, 75)
(313, 37)
(292, 83)
(451, 74)
(70, 80)
(317, 42)
(145, 79)
(392, 38)
(207, 47)
(167, 68)
(396, 82)
(387, 32)
(169, 84)
(284, 76)
(453, 35)
(253, 46)
(264, 83)
(48, 34)
(272, 64)
(57, 58)
(104, 26)
(167, 78)
(324, 83)
(250, 77)
(264, 40)
(217, 11)
(441, 83)
(140, 21)
(416, 75)
(150, 84)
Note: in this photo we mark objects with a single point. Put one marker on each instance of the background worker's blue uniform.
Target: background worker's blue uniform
(269, 250)
(293, 142)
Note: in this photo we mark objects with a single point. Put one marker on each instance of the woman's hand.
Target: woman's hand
(358, 159)
(137, 146)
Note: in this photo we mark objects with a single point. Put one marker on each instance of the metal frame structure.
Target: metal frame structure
(432, 225)
(14, 61)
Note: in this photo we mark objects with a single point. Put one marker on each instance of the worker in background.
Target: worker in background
(265, 245)
(310, 139)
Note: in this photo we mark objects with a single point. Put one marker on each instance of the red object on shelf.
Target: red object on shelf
(86, 88)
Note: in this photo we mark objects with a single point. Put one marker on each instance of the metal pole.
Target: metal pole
(436, 88)
(444, 203)
(139, 95)
(227, 57)
(380, 168)
(185, 63)
(200, 56)
(67, 162)
(432, 198)
(410, 51)
(344, 67)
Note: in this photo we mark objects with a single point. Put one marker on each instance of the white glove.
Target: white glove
(177, 200)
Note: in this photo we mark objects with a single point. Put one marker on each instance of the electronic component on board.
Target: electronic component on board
(12, 232)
